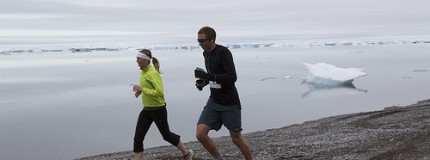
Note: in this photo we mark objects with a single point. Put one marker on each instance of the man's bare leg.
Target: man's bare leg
(202, 135)
(237, 139)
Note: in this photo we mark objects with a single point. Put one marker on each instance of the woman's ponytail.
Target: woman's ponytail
(156, 64)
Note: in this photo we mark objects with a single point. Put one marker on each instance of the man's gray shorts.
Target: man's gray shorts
(215, 115)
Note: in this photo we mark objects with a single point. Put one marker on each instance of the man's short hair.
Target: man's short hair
(210, 32)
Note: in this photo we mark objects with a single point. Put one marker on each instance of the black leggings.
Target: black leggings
(146, 117)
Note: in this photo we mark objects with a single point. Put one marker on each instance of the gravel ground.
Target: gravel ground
(397, 132)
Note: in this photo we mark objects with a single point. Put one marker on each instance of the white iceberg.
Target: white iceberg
(330, 75)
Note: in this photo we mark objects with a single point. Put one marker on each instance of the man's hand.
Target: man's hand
(137, 90)
(200, 83)
(200, 73)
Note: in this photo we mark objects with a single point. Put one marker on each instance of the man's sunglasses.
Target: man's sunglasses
(203, 40)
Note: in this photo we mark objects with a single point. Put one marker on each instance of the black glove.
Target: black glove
(200, 73)
(200, 83)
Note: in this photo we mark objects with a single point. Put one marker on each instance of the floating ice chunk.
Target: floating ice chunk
(270, 78)
(287, 77)
(267, 78)
(327, 74)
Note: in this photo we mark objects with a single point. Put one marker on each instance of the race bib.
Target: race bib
(214, 85)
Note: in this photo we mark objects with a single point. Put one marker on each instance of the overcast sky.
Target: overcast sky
(232, 18)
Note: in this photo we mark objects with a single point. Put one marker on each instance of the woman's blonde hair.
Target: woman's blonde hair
(155, 61)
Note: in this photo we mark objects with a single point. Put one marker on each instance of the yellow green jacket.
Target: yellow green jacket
(152, 88)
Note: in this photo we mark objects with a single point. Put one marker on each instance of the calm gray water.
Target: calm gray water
(65, 106)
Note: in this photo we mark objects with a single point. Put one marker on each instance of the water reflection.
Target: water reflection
(321, 90)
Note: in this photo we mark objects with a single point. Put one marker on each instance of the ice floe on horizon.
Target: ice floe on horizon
(188, 46)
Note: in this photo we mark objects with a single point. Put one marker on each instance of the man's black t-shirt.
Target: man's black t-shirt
(220, 66)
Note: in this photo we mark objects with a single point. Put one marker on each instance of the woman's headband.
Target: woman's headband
(143, 56)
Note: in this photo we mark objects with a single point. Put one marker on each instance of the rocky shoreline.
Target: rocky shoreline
(397, 132)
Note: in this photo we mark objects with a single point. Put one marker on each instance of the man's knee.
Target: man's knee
(201, 136)
(236, 137)
(202, 132)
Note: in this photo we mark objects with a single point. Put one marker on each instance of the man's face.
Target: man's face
(204, 42)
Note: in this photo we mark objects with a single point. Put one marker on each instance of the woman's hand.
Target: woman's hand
(137, 90)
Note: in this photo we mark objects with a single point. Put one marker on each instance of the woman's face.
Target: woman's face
(143, 63)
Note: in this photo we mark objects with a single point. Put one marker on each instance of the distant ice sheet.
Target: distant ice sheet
(70, 48)
(330, 75)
